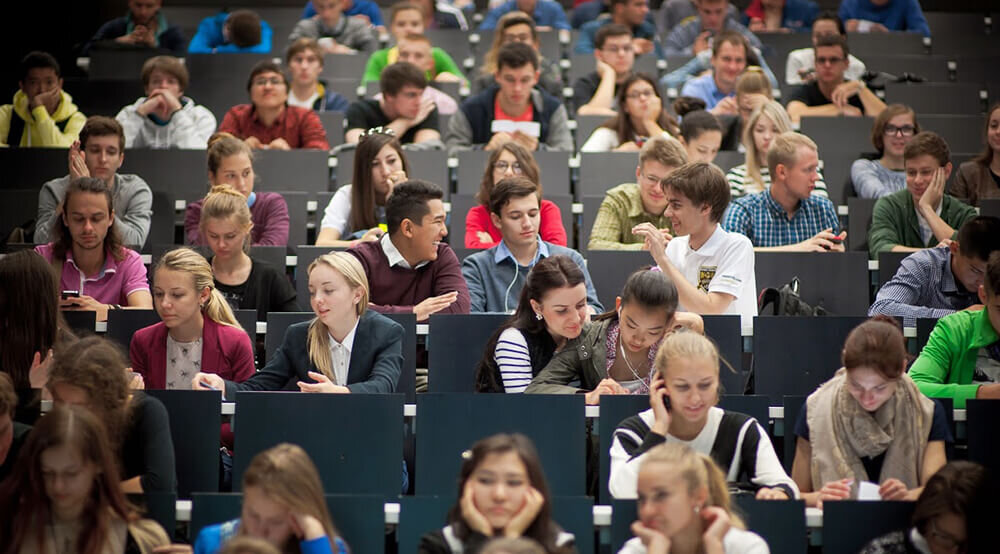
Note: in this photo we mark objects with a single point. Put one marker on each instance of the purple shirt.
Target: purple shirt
(269, 215)
(112, 285)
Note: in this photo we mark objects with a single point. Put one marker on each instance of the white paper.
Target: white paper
(530, 128)
(868, 491)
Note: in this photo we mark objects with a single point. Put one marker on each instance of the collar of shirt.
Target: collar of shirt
(948, 284)
(277, 122)
(110, 266)
(395, 258)
(502, 253)
(348, 342)
(712, 244)
(777, 210)
(634, 197)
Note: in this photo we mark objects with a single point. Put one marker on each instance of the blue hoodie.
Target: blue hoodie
(209, 38)
(897, 15)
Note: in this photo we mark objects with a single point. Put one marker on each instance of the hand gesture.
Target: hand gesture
(604, 70)
(175, 548)
(629, 146)
(208, 381)
(757, 25)
(152, 104)
(654, 541)
(717, 524)
(484, 237)
(835, 490)
(658, 398)
(472, 516)
(135, 380)
(843, 92)
(701, 42)
(984, 391)
(254, 143)
(85, 303)
(371, 235)
(279, 144)
(497, 140)
(445, 77)
(48, 98)
(606, 386)
(529, 142)
(77, 161)
(426, 107)
(642, 46)
(434, 304)
(38, 373)
(653, 109)
(533, 501)
(893, 489)
(305, 526)
(322, 384)
(655, 241)
(931, 198)
(823, 241)
(767, 493)
(726, 106)
(395, 178)
(170, 102)
(851, 111)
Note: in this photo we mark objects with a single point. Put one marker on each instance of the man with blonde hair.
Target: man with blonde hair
(787, 217)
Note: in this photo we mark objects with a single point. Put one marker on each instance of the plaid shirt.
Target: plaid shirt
(924, 286)
(620, 211)
(766, 224)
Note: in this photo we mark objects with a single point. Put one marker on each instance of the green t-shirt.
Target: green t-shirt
(381, 58)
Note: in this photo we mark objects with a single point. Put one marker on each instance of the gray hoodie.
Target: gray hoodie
(133, 203)
(188, 127)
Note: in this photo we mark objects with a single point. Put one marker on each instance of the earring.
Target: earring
(697, 509)
(538, 316)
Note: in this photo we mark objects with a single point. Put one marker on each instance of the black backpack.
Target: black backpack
(786, 301)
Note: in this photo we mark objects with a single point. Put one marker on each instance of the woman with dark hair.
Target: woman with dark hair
(869, 423)
(640, 118)
(356, 213)
(551, 311)
(980, 176)
(700, 131)
(65, 496)
(509, 160)
(502, 492)
(945, 515)
(891, 132)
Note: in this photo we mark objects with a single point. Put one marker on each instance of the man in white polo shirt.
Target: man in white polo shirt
(713, 269)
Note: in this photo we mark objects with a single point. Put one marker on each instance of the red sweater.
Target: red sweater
(395, 290)
(299, 127)
(478, 219)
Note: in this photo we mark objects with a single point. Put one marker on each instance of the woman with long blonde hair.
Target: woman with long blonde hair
(346, 348)
(283, 503)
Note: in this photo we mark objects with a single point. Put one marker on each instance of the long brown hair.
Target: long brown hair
(891, 111)
(363, 186)
(877, 344)
(622, 123)
(986, 156)
(524, 157)
(64, 240)
(24, 504)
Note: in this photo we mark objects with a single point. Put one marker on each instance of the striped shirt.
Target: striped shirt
(924, 286)
(741, 185)
(871, 179)
(766, 224)
(512, 357)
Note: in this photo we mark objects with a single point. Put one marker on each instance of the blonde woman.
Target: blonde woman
(766, 121)
(684, 506)
(198, 328)
(346, 348)
(283, 503)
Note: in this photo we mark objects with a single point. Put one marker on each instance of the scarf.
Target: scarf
(841, 432)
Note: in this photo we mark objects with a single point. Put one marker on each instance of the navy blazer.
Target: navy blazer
(376, 359)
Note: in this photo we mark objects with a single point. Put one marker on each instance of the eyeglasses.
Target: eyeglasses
(511, 37)
(503, 166)
(378, 131)
(635, 95)
(649, 178)
(905, 130)
(276, 81)
(615, 50)
(828, 61)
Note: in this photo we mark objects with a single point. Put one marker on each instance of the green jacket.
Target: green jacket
(386, 56)
(584, 359)
(948, 361)
(895, 222)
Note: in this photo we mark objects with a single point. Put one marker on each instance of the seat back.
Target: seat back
(792, 407)
(937, 98)
(122, 324)
(163, 226)
(277, 324)
(591, 205)
(614, 410)
(727, 333)
(756, 406)
(837, 281)
(848, 525)
(609, 269)
(554, 167)
(782, 523)
(299, 169)
(602, 171)
(859, 220)
(888, 265)
(419, 515)
(980, 426)
(455, 345)
(194, 428)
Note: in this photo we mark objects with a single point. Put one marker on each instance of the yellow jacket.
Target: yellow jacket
(41, 129)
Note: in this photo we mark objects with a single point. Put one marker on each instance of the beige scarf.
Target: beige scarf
(841, 432)
(61, 537)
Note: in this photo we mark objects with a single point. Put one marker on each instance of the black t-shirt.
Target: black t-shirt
(20, 432)
(585, 87)
(366, 113)
(147, 449)
(810, 95)
(234, 294)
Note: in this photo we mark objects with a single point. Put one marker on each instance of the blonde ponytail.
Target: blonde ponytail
(188, 261)
(698, 470)
(318, 338)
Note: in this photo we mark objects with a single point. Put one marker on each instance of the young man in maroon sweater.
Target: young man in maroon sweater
(409, 269)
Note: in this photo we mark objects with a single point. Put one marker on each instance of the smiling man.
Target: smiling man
(718, 87)
(99, 153)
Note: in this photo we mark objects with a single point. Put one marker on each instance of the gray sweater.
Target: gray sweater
(349, 31)
(133, 204)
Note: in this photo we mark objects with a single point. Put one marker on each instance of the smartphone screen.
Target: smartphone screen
(70, 294)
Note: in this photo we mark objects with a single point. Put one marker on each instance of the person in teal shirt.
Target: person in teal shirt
(405, 20)
(239, 31)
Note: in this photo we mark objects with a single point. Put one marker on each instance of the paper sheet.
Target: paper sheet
(868, 491)
(530, 128)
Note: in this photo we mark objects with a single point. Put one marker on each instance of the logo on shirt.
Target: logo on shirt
(705, 275)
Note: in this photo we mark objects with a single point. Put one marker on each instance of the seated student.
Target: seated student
(629, 204)
(364, 10)
(923, 215)
(959, 360)
(892, 131)
(640, 117)
(717, 88)
(781, 16)
(237, 31)
(406, 18)
(198, 329)
(595, 92)
(935, 282)
(787, 216)
(700, 131)
(830, 93)
(980, 177)
(518, 26)
(304, 59)
(416, 49)
(268, 122)
(230, 162)
(356, 212)
(697, 511)
(682, 410)
(68, 472)
(143, 26)
(87, 255)
(701, 64)
(883, 16)
(402, 108)
(630, 13)
(514, 209)
(165, 118)
(283, 504)
(765, 122)
(246, 283)
(800, 66)
(502, 492)
(510, 160)
(546, 14)
(712, 268)
(443, 14)
(693, 35)
(336, 33)
(869, 423)
(410, 269)
(513, 99)
(93, 373)
(99, 153)
(752, 89)
(321, 355)
(12, 433)
(41, 113)
(674, 12)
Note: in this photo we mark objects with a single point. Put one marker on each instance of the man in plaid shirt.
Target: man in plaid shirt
(787, 217)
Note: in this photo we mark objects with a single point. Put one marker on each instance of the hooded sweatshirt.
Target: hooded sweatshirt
(188, 127)
(41, 129)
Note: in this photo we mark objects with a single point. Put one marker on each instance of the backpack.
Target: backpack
(786, 301)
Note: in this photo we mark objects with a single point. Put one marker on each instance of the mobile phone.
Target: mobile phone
(666, 402)
(70, 294)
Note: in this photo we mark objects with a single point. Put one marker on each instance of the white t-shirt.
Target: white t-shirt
(337, 214)
(805, 58)
(736, 541)
(725, 263)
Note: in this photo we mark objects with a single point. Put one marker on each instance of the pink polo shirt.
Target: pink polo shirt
(112, 285)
